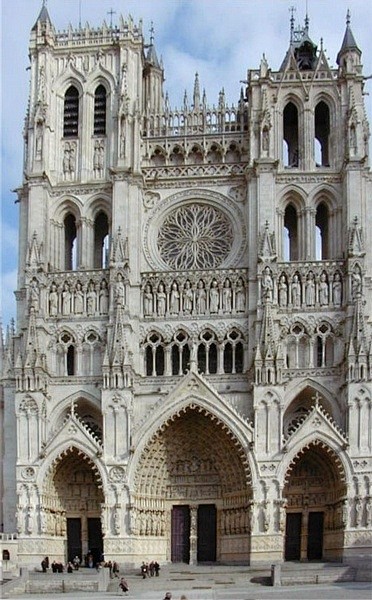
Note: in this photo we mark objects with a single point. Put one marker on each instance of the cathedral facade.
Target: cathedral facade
(189, 377)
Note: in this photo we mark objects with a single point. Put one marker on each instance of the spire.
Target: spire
(151, 54)
(348, 43)
(196, 95)
(43, 17)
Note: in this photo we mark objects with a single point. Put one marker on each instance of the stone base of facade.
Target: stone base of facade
(266, 549)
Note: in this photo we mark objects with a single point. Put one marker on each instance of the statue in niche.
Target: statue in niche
(356, 283)
(98, 158)
(119, 291)
(267, 284)
(201, 298)
(174, 305)
(187, 298)
(78, 299)
(337, 290)
(103, 298)
(296, 291)
(91, 299)
(30, 520)
(227, 297)
(213, 297)
(53, 301)
(323, 290)
(66, 300)
(310, 290)
(283, 291)
(148, 301)
(35, 295)
(240, 296)
(161, 300)
(353, 140)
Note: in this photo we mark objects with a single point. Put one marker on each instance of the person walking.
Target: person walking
(123, 585)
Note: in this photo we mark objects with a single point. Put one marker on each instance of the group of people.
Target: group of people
(150, 569)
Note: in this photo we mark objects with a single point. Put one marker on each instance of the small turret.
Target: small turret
(349, 55)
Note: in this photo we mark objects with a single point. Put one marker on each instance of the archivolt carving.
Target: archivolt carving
(193, 455)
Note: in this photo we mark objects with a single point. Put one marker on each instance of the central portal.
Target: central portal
(205, 533)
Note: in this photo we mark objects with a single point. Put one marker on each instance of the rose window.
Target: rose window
(195, 237)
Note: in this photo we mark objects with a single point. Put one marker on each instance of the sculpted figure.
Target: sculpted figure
(91, 299)
(103, 298)
(226, 297)
(310, 290)
(174, 307)
(35, 295)
(296, 291)
(53, 300)
(148, 301)
(119, 291)
(161, 297)
(201, 299)
(337, 290)
(187, 298)
(267, 284)
(213, 298)
(78, 299)
(323, 290)
(240, 296)
(283, 291)
(66, 300)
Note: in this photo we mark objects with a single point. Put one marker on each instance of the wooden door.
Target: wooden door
(95, 542)
(293, 536)
(74, 539)
(207, 533)
(180, 536)
(315, 536)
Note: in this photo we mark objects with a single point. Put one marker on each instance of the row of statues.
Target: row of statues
(194, 299)
(309, 291)
(89, 300)
(69, 160)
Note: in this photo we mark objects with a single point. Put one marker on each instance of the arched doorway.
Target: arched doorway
(315, 493)
(192, 491)
(72, 499)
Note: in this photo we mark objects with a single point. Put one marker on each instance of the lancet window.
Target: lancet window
(290, 136)
(233, 355)
(180, 354)
(70, 242)
(100, 111)
(71, 113)
(322, 131)
(101, 241)
(290, 234)
(322, 232)
(154, 354)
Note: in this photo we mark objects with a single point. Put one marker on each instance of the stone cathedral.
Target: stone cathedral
(189, 376)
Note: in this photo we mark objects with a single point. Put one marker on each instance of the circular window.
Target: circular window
(195, 236)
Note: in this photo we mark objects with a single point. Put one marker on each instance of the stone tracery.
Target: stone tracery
(194, 237)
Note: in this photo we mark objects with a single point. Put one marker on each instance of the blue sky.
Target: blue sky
(219, 39)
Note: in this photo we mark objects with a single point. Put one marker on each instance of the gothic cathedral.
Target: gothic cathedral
(189, 377)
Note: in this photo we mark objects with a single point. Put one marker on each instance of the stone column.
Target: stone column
(193, 535)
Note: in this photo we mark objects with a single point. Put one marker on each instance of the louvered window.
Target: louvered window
(100, 111)
(71, 113)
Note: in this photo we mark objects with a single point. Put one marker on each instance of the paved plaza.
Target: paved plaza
(212, 583)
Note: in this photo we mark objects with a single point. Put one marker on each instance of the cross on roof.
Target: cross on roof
(111, 12)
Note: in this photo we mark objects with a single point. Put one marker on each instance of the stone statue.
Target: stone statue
(161, 298)
(267, 284)
(201, 298)
(174, 305)
(213, 298)
(187, 298)
(337, 290)
(103, 298)
(119, 290)
(283, 291)
(296, 291)
(148, 301)
(91, 299)
(310, 290)
(53, 301)
(78, 299)
(240, 296)
(34, 295)
(66, 300)
(226, 297)
(323, 290)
